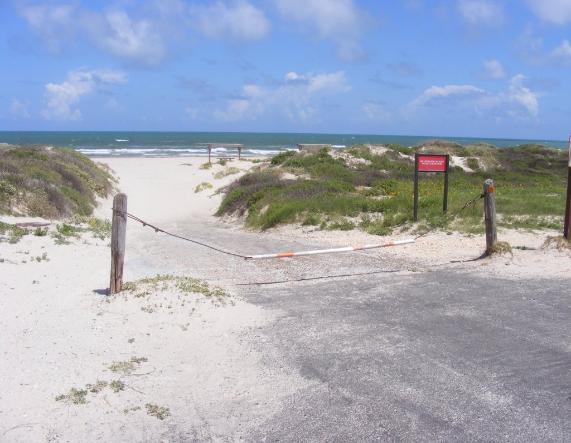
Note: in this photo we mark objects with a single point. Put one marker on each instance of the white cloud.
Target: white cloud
(521, 96)
(241, 21)
(493, 69)
(443, 92)
(129, 39)
(562, 53)
(517, 100)
(294, 97)
(337, 20)
(54, 23)
(481, 12)
(19, 109)
(63, 97)
(554, 11)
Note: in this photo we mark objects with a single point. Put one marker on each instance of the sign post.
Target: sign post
(567, 225)
(431, 163)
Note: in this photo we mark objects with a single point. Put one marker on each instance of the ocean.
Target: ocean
(156, 144)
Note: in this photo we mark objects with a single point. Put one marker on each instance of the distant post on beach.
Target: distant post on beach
(118, 233)
(567, 224)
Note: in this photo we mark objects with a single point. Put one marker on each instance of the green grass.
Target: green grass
(530, 190)
(202, 187)
(51, 183)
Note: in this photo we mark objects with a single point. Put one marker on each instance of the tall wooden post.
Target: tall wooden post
(239, 152)
(118, 232)
(209, 151)
(415, 209)
(490, 215)
(445, 203)
(567, 224)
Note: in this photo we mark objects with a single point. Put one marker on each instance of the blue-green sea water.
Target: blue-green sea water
(118, 143)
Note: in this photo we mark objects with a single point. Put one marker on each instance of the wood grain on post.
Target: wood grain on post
(118, 232)
(490, 215)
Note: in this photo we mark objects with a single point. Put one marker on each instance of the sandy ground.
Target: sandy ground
(202, 357)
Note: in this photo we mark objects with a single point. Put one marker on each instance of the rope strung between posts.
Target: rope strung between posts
(180, 237)
(469, 203)
(291, 254)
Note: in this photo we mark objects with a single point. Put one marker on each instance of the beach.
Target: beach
(191, 366)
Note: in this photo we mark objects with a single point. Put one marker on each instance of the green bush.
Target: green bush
(50, 183)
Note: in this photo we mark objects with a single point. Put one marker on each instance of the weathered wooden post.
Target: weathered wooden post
(239, 152)
(118, 232)
(490, 215)
(209, 151)
(567, 222)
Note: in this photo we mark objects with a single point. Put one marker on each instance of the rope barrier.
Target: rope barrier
(301, 253)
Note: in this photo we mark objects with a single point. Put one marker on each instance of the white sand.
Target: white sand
(204, 358)
(206, 362)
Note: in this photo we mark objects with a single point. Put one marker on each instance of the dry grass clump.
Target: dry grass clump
(557, 242)
(226, 172)
(50, 182)
(202, 187)
(157, 411)
(500, 248)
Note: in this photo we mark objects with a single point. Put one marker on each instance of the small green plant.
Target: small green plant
(64, 232)
(311, 220)
(127, 367)
(226, 172)
(97, 387)
(157, 411)
(74, 396)
(202, 187)
(40, 232)
(41, 258)
(222, 161)
(207, 165)
(14, 233)
(117, 386)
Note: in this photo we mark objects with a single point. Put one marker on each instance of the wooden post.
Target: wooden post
(239, 152)
(445, 203)
(490, 215)
(415, 210)
(209, 151)
(567, 223)
(118, 231)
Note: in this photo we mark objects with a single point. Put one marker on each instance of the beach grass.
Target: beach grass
(373, 190)
(50, 182)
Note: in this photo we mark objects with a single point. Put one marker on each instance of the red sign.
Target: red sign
(431, 163)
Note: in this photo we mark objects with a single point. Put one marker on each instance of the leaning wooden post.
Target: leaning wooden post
(118, 231)
(490, 215)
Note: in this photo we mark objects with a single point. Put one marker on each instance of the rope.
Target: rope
(469, 203)
(180, 237)
(234, 254)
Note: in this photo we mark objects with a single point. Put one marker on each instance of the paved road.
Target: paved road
(446, 355)
(425, 357)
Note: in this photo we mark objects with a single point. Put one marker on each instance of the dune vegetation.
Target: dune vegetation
(371, 187)
(50, 182)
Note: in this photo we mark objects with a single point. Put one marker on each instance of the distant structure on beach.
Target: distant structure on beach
(312, 147)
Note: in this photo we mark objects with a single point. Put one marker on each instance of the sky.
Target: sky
(474, 68)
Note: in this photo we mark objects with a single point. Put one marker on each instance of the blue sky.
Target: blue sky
(483, 68)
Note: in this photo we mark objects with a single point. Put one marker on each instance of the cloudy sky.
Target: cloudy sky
(484, 68)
